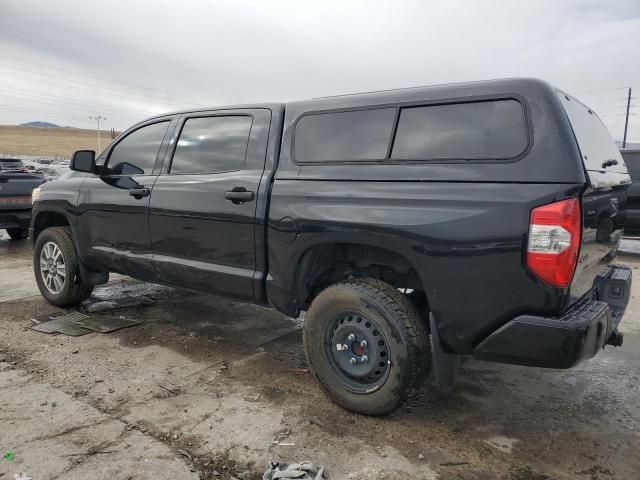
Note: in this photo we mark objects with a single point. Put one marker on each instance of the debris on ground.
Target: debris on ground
(186, 454)
(299, 370)
(61, 325)
(302, 471)
(127, 302)
(75, 324)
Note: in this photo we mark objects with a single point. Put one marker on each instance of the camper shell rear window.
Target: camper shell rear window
(598, 150)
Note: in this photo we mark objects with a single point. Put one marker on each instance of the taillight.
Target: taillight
(554, 241)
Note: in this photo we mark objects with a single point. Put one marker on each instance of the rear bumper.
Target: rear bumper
(562, 342)
(15, 218)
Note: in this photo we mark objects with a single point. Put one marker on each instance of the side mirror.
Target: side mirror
(83, 161)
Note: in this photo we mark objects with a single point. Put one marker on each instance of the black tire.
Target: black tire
(73, 290)
(18, 233)
(395, 320)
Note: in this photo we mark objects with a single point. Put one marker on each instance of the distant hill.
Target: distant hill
(50, 142)
(40, 124)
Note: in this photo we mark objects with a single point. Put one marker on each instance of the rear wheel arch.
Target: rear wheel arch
(326, 264)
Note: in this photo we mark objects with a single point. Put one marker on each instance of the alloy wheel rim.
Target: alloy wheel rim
(53, 269)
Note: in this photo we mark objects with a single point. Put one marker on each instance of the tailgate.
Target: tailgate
(16, 188)
(604, 201)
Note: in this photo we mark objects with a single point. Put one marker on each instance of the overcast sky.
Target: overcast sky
(61, 61)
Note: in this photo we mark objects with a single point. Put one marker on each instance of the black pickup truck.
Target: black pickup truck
(413, 226)
(632, 160)
(16, 185)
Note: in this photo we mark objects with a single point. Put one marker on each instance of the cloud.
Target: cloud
(158, 55)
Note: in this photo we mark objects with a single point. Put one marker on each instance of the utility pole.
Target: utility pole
(98, 118)
(626, 120)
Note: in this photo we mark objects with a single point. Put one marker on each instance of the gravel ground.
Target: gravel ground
(210, 388)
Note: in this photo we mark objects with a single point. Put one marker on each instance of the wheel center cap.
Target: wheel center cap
(357, 349)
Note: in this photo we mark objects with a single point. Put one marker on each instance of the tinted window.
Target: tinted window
(136, 153)
(594, 140)
(344, 136)
(632, 159)
(212, 144)
(478, 130)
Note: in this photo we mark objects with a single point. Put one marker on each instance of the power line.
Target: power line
(56, 100)
(609, 107)
(130, 85)
(66, 79)
(91, 105)
(108, 93)
(612, 100)
(39, 112)
(599, 90)
(45, 106)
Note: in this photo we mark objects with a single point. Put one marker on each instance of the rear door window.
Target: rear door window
(466, 131)
(212, 145)
(361, 135)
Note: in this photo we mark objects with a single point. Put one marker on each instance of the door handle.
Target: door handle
(139, 192)
(239, 195)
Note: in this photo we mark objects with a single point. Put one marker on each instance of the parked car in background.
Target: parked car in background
(16, 186)
(412, 226)
(50, 173)
(632, 159)
(11, 164)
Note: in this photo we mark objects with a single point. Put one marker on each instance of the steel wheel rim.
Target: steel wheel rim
(344, 344)
(53, 269)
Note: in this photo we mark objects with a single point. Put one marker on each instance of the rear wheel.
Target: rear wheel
(57, 269)
(18, 233)
(366, 345)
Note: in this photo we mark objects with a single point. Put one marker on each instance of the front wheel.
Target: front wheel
(367, 345)
(57, 269)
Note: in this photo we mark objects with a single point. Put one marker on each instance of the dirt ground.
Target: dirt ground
(50, 142)
(209, 388)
